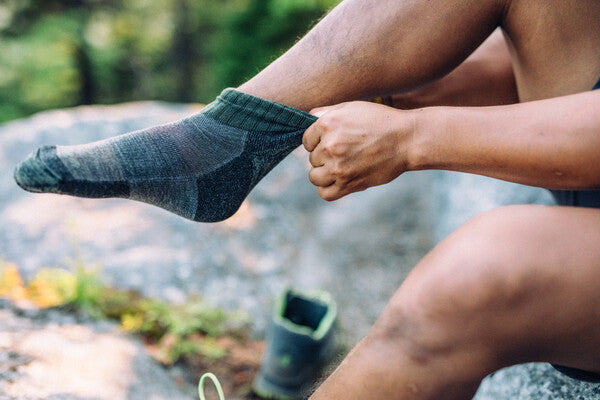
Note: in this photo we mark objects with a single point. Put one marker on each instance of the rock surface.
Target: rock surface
(535, 381)
(359, 248)
(51, 355)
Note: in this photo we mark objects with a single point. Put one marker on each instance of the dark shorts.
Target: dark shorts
(578, 198)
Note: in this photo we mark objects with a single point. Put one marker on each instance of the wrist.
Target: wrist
(421, 149)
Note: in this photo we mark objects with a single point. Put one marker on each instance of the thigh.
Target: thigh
(522, 280)
(560, 318)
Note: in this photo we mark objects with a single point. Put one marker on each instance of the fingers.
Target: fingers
(338, 190)
(315, 159)
(319, 140)
(332, 186)
(312, 136)
(320, 177)
(330, 193)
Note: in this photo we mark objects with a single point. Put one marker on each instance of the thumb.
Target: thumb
(320, 111)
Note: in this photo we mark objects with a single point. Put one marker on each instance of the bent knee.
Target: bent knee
(462, 291)
(480, 268)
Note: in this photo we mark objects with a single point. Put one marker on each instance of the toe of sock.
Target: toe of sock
(34, 175)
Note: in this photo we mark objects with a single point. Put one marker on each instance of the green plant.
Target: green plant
(185, 330)
(61, 53)
(88, 291)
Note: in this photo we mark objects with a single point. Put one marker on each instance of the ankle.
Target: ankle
(302, 100)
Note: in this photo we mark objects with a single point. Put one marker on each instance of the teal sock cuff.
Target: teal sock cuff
(247, 112)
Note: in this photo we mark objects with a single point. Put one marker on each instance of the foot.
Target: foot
(201, 167)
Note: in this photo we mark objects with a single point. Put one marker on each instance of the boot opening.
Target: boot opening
(304, 312)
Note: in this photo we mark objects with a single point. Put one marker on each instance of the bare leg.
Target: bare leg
(480, 300)
(485, 78)
(365, 48)
(514, 285)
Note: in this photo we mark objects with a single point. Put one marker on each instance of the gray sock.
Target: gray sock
(201, 167)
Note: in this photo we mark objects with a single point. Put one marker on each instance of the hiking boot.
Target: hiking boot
(300, 342)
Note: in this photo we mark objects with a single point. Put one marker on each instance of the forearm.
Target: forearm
(552, 143)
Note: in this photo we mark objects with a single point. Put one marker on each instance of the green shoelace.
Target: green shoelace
(215, 382)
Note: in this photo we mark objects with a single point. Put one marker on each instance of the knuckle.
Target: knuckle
(329, 121)
(326, 146)
(325, 122)
(340, 172)
(309, 142)
(345, 174)
(333, 146)
(337, 171)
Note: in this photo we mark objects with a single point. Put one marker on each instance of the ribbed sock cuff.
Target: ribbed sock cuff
(247, 112)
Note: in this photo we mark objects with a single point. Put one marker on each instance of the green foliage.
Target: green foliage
(184, 329)
(257, 33)
(195, 316)
(182, 347)
(60, 53)
(36, 73)
(88, 292)
(187, 329)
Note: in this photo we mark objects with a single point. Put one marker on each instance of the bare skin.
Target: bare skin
(494, 293)
(485, 78)
(367, 48)
(514, 285)
(524, 143)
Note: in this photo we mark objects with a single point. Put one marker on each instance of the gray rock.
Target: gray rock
(284, 234)
(535, 381)
(360, 248)
(459, 197)
(50, 358)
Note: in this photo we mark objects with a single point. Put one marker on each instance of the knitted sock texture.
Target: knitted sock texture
(201, 167)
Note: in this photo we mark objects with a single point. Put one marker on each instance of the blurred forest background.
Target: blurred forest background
(62, 53)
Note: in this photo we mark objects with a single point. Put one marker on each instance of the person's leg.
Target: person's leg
(485, 78)
(203, 167)
(514, 285)
(367, 48)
